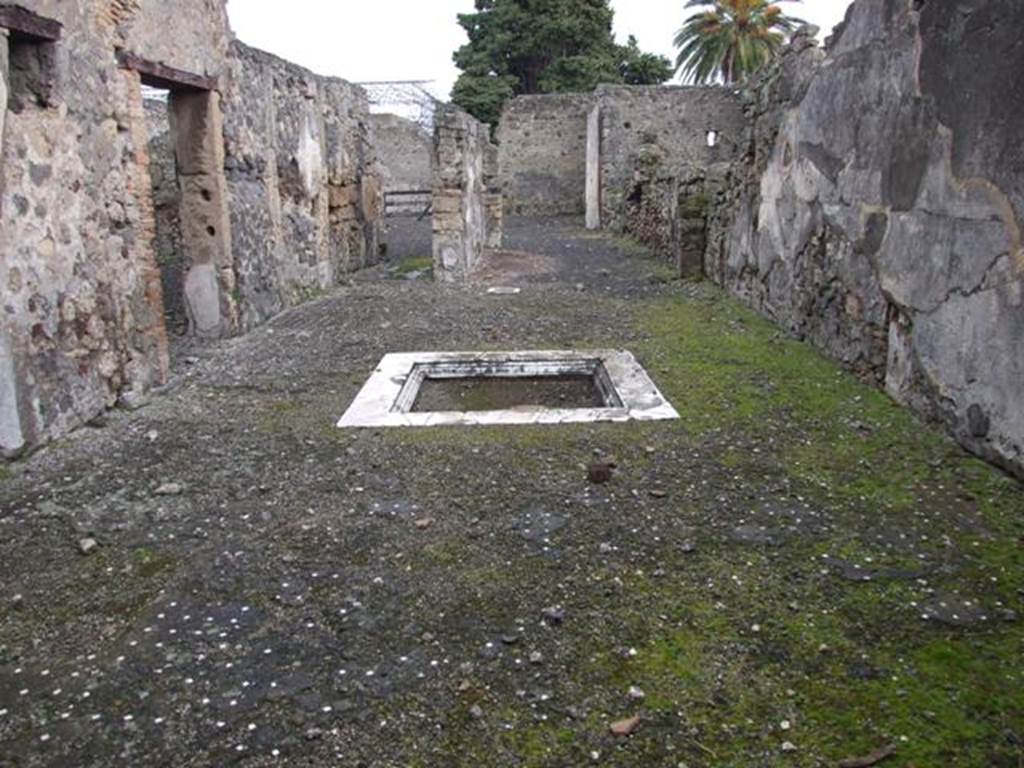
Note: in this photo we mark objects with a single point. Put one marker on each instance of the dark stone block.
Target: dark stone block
(978, 422)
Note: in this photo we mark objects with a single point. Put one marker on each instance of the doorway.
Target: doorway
(181, 126)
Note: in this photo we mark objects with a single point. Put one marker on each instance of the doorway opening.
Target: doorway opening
(191, 232)
(166, 188)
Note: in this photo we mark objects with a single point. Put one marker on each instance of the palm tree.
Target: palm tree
(728, 40)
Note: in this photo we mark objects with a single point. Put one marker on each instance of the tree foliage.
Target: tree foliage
(544, 46)
(729, 40)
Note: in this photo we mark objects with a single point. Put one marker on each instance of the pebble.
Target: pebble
(636, 694)
(87, 546)
(476, 712)
(536, 657)
(599, 472)
(789, 746)
(169, 489)
(625, 727)
(553, 615)
(133, 401)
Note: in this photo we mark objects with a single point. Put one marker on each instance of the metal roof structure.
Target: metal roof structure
(406, 98)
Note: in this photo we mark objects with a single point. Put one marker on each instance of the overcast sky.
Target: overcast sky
(364, 40)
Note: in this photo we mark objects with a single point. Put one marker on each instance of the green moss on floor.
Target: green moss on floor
(414, 264)
(741, 649)
(725, 368)
(738, 649)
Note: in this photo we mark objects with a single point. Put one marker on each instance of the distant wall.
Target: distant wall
(306, 199)
(404, 150)
(878, 209)
(542, 146)
(630, 122)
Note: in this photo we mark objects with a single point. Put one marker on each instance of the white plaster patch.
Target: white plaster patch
(3, 87)
(593, 181)
(388, 396)
(203, 296)
(11, 437)
(309, 157)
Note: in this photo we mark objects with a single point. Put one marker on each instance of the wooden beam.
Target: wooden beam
(160, 75)
(26, 25)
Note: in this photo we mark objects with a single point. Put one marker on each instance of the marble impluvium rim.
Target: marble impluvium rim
(387, 398)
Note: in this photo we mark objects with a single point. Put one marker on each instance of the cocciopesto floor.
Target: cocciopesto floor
(795, 573)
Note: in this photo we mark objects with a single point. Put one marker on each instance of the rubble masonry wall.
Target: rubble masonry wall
(280, 195)
(466, 205)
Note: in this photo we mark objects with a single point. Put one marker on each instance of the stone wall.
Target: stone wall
(669, 208)
(631, 125)
(82, 326)
(877, 213)
(82, 322)
(542, 145)
(404, 150)
(464, 203)
(190, 35)
(306, 202)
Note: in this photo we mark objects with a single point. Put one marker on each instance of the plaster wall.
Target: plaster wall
(404, 150)
(877, 212)
(542, 145)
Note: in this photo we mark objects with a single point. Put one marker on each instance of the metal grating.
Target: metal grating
(406, 98)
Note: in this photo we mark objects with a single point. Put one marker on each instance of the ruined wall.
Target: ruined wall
(878, 211)
(464, 206)
(629, 123)
(542, 145)
(669, 208)
(190, 35)
(404, 150)
(306, 200)
(494, 199)
(81, 222)
(81, 323)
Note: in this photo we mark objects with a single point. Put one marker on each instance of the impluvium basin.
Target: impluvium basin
(428, 389)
